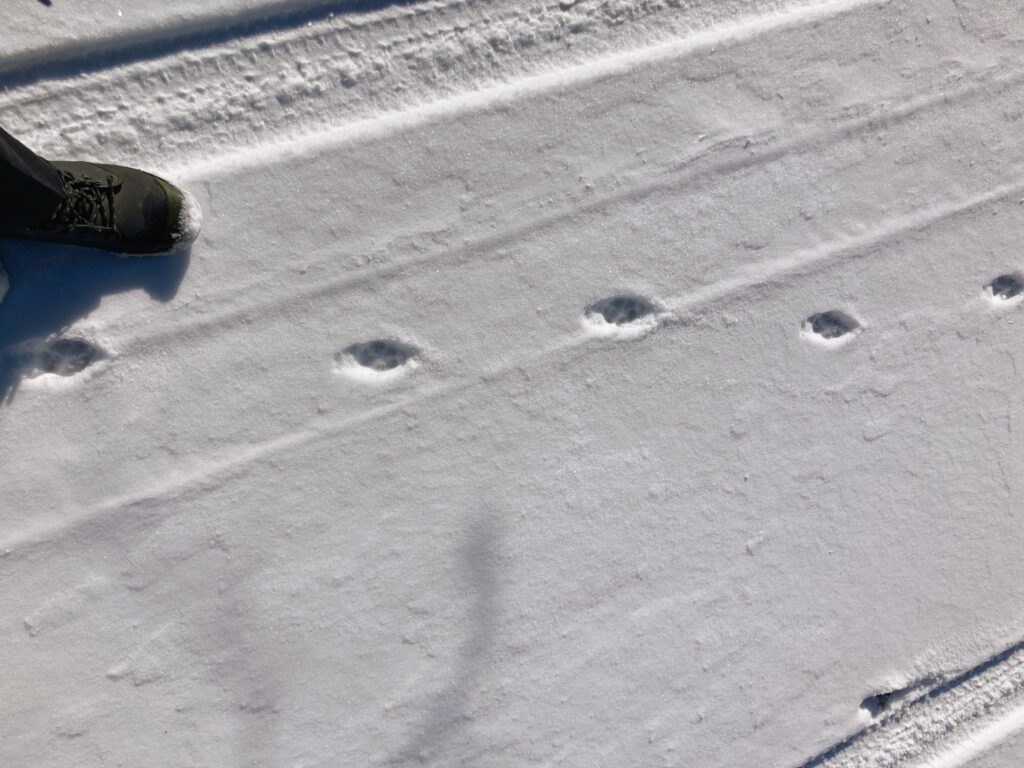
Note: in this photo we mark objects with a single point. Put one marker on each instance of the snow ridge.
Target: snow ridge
(946, 726)
(322, 74)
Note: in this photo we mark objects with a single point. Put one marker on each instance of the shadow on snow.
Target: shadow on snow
(82, 57)
(51, 287)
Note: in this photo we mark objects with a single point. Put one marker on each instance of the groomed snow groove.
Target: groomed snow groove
(325, 73)
(110, 39)
(945, 726)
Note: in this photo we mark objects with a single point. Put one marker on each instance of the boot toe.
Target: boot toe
(174, 224)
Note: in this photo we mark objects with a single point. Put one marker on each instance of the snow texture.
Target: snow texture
(597, 383)
(941, 722)
(189, 223)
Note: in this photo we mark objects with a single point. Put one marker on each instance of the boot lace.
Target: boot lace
(88, 205)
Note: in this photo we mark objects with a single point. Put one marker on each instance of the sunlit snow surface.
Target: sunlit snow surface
(598, 384)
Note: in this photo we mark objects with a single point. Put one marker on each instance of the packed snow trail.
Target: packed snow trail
(342, 68)
(370, 485)
(44, 40)
(939, 725)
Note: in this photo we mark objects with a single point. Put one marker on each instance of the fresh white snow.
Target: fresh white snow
(387, 470)
(988, 738)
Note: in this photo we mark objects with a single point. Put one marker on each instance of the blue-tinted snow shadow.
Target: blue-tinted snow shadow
(51, 287)
(446, 716)
(76, 58)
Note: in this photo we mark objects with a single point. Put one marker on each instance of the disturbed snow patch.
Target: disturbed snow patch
(377, 361)
(941, 719)
(831, 329)
(623, 316)
(1006, 288)
(892, 697)
(65, 357)
(189, 222)
(52, 360)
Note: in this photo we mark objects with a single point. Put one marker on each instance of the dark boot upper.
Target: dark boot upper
(113, 208)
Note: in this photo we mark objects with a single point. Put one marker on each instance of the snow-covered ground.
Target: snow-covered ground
(367, 478)
(49, 34)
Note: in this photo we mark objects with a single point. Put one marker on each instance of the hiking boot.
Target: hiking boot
(114, 208)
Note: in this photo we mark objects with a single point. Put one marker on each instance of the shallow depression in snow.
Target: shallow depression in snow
(622, 316)
(377, 360)
(832, 327)
(62, 356)
(1006, 287)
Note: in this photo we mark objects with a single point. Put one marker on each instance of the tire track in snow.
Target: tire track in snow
(726, 156)
(350, 67)
(212, 473)
(945, 727)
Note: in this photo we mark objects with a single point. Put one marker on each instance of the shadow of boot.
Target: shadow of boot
(53, 286)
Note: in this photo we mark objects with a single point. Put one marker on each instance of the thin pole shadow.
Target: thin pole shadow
(447, 715)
